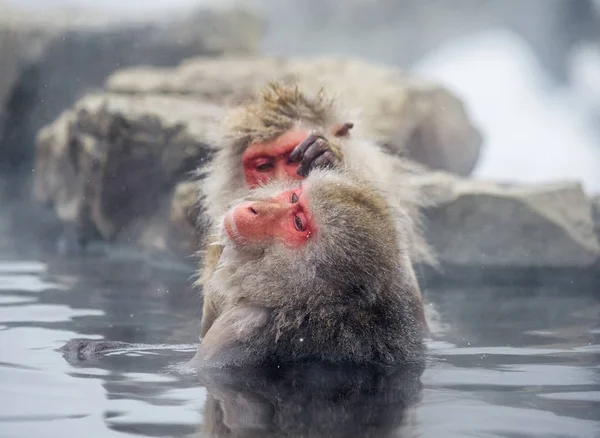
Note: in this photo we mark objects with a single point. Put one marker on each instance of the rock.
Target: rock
(118, 166)
(51, 60)
(183, 217)
(110, 166)
(21, 42)
(404, 113)
(596, 214)
(488, 225)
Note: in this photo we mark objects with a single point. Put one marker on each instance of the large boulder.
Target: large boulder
(50, 60)
(110, 166)
(117, 166)
(488, 225)
(407, 114)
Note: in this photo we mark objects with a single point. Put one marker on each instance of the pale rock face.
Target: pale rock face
(407, 114)
(481, 223)
(129, 152)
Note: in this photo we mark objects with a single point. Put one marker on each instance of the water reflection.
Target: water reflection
(310, 400)
(511, 361)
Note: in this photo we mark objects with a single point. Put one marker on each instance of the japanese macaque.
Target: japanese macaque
(317, 269)
(283, 135)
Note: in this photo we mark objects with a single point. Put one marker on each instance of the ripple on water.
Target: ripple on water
(487, 377)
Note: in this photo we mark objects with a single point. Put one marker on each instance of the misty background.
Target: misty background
(528, 71)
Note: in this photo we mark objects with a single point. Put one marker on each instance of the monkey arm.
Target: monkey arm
(212, 255)
(209, 310)
(234, 338)
(209, 314)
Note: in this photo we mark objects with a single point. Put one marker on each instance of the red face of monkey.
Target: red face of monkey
(290, 156)
(271, 160)
(284, 216)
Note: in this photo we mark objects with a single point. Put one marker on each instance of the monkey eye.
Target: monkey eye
(294, 198)
(298, 223)
(264, 167)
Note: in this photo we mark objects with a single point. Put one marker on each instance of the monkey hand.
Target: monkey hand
(314, 151)
(81, 349)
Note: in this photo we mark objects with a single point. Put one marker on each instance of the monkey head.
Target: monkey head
(338, 230)
(285, 133)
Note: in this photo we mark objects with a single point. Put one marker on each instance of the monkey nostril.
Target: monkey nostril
(253, 210)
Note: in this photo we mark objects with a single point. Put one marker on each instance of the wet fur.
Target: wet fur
(349, 295)
(276, 110)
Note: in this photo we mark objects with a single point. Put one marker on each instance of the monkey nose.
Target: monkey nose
(264, 208)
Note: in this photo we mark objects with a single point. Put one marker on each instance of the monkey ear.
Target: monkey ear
(342, 129)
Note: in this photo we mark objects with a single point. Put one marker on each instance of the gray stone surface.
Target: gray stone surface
(478, 223)
(49, 61)
(117, 164)
(405, 113)
(596, 214)
(110, 166)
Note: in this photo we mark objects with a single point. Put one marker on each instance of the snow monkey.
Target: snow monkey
(317, 269)
(283, 135)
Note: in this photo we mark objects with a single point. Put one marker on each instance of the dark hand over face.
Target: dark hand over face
(314, 151)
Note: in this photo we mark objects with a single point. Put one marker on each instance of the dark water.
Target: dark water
(512, 362)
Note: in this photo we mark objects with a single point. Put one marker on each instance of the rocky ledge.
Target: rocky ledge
(116, 165)
(511, 232)
(50, 59)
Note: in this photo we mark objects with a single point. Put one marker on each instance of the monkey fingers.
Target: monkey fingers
(325, 160)
(317, 155)
(299, 151)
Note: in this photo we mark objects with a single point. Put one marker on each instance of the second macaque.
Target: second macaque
(283, 135)
(313, 270)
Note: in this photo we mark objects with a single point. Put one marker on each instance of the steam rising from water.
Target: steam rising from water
(533, 134)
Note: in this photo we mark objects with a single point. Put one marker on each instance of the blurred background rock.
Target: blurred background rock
(511, 94)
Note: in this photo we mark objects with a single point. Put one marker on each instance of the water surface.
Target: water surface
(512, 362)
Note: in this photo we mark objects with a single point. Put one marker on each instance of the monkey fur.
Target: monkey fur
(278, 109)
(349, 295)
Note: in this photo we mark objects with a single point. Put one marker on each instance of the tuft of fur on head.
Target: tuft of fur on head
(279, 107)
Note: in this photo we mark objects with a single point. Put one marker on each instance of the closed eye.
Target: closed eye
(265, 167)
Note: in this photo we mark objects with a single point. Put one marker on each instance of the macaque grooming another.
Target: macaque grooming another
(317, 269)
(283, 135)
